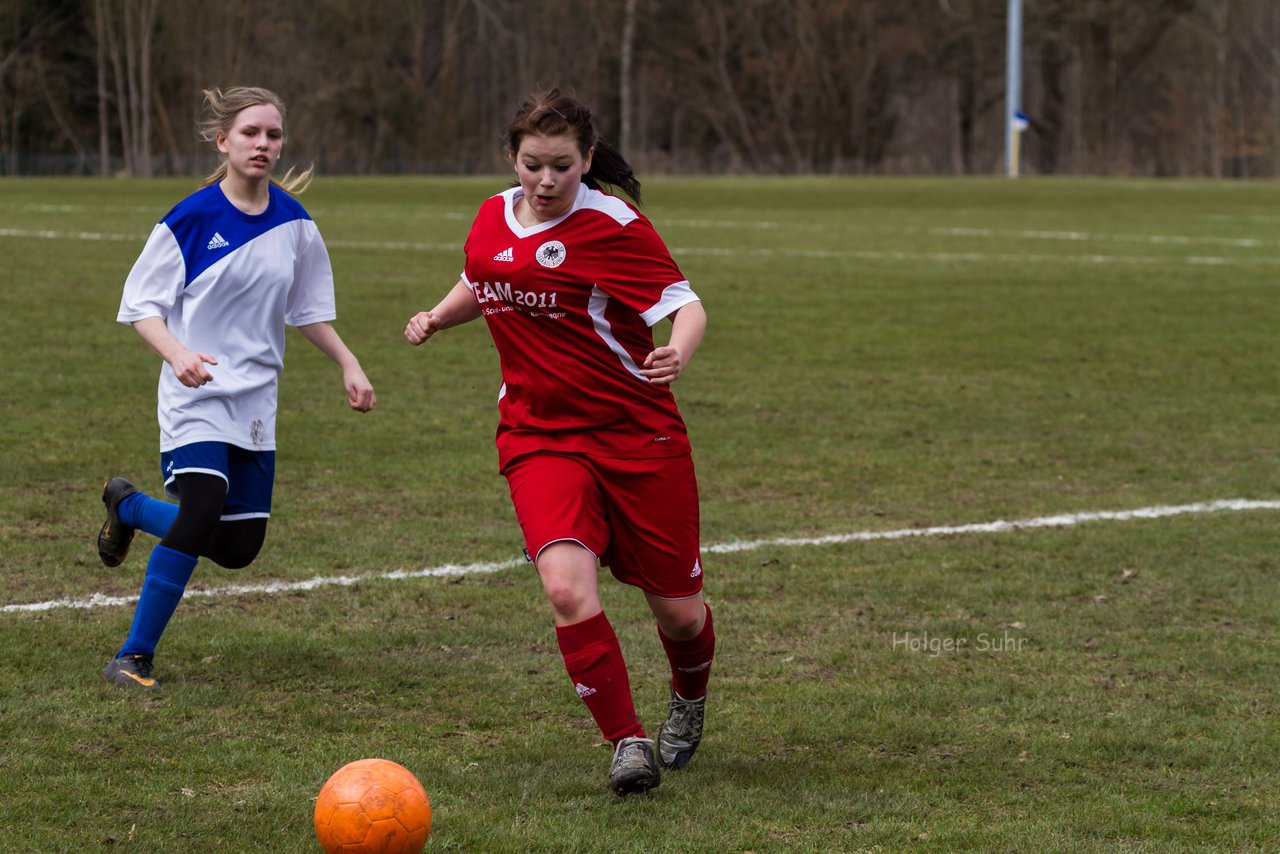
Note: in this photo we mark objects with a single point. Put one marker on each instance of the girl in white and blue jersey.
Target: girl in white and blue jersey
(220, 277)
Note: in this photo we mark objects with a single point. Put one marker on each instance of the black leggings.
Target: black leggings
(199, 529)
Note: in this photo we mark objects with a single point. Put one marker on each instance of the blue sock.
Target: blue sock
(148, 514)
(168, 572)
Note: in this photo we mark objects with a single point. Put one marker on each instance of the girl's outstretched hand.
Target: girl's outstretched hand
(421, 326)
(360, 396)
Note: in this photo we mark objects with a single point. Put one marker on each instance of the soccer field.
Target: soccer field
(890, 367)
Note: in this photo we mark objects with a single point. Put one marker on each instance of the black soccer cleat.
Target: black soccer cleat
(115, 537)
(635, 767)
(131, 671)
(682, 731)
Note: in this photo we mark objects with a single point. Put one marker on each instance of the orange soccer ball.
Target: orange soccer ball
(372, 806)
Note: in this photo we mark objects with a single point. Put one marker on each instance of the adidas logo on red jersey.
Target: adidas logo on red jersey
(506, 255)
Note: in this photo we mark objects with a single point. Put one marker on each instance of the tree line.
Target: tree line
(1111, 87)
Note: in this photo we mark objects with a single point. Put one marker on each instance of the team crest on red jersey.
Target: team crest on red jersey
(551, 254)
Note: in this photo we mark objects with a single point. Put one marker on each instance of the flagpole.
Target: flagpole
(1012, 88)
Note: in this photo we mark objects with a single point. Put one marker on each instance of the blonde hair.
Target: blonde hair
(220, 111)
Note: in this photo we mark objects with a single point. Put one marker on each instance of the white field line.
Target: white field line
(1061, 521)
(98, 600)
(976, 257)
(865, 254)
(44, 234)
(1077, 236)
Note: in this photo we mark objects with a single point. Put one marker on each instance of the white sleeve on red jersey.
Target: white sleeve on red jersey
(638, 271)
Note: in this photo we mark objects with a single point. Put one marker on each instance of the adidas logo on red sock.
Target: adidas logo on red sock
(583, 691)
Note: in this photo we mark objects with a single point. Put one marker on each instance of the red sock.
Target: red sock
(599, 673)
(691, 660)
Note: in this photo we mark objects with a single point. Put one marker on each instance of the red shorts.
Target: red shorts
(639, 517)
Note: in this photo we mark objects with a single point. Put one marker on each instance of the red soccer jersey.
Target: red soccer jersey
(570, 304)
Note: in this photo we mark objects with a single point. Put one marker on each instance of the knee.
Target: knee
(568, 574)
(235, 558)
(683, 622)
(191, 530)
(235, 545)
(570, 603)
(682, 627)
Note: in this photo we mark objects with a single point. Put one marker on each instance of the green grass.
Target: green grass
(882, 354)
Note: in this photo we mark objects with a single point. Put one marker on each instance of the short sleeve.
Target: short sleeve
(311, 298)
(639, 272)
(156, 280)
(472, 236)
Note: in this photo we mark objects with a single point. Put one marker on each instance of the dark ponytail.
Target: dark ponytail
(611, 168)
(555, 113)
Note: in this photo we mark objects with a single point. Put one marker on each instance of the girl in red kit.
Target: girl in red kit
(570, 280)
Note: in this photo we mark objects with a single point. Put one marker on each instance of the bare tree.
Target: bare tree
(28, 30)
(126, 27)
(1162, 87)
(624, 75)
(104, 141)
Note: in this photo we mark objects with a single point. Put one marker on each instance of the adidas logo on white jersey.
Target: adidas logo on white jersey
(583, 690)
(506, 255)
(217, 242)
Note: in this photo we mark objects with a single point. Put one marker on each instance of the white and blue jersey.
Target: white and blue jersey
(226, 283)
